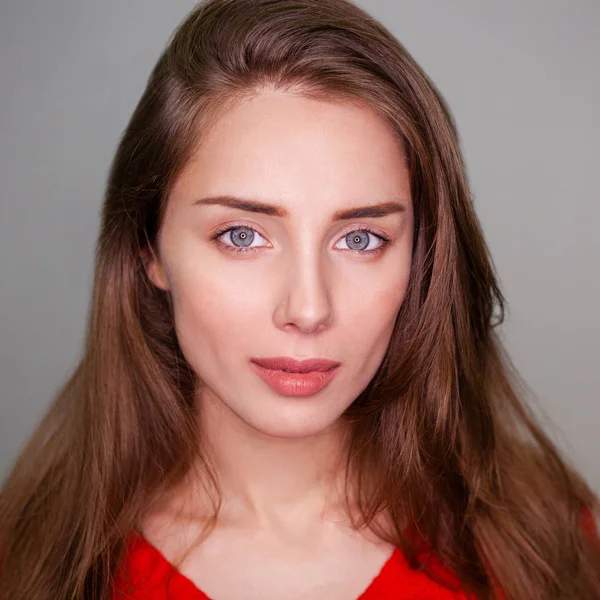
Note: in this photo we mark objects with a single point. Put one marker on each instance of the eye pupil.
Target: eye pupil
(355, 238)
(246, 236)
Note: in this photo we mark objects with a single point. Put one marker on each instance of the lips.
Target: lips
(284, 363)
(306, 383)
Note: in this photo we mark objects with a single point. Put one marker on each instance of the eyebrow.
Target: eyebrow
(272, 210)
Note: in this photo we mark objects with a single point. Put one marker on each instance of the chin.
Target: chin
(283, 428)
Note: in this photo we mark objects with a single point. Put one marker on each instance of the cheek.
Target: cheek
(377, 294)
(216, 312)
(369, 315)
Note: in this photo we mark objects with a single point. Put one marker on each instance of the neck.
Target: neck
(265, 479)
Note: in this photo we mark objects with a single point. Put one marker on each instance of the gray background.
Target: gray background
(521, 77)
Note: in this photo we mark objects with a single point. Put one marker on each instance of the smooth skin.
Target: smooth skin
(309, 288)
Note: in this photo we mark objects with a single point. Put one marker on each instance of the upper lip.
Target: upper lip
(280, 363)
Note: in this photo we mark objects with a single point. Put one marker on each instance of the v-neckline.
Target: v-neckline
(192, 592)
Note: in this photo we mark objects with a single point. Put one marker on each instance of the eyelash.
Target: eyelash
(218, 234)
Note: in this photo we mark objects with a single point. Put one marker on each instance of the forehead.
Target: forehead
(282, 145)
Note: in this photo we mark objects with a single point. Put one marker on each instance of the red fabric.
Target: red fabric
(149, 571)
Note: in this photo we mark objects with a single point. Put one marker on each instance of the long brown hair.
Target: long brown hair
(442, 431)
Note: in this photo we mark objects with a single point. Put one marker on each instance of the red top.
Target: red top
(149, 571)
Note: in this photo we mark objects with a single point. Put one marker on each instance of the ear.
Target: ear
(154, 269)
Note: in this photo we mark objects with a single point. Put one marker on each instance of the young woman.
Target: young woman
(292, 385)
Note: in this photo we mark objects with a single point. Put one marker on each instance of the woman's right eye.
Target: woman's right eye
(240, 234)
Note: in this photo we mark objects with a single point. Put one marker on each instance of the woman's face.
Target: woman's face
(309, 285)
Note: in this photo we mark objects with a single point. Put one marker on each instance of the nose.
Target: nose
(306, 302)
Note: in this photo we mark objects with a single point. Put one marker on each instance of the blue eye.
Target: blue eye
(358, 239)
(240, 234)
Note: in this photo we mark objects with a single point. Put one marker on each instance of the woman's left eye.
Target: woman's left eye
(359, 240)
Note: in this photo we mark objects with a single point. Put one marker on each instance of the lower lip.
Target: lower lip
(295, 384)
